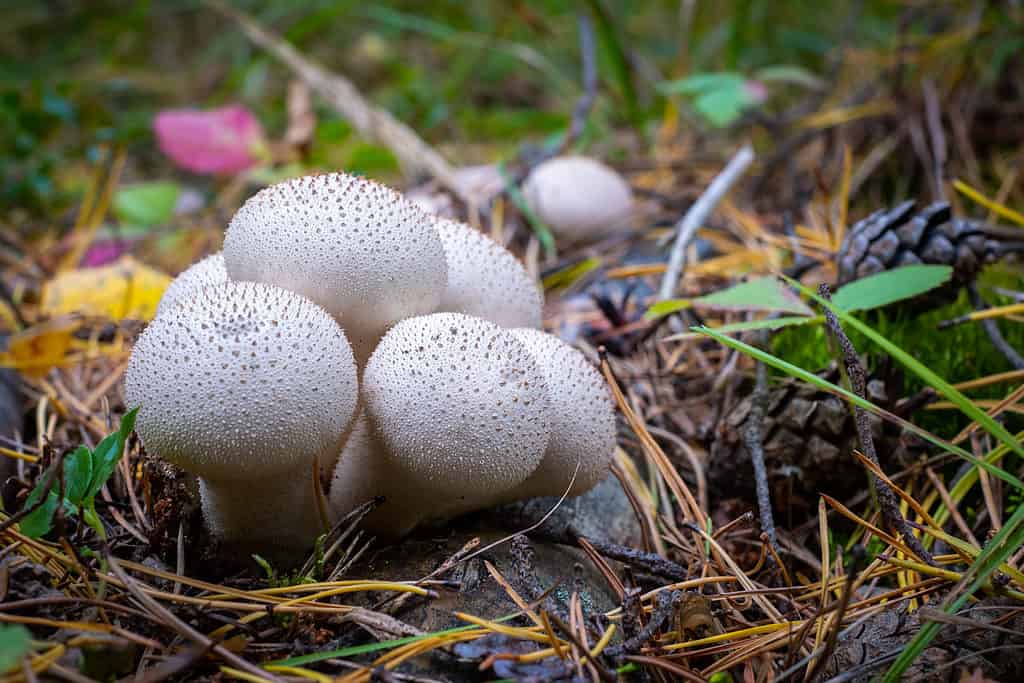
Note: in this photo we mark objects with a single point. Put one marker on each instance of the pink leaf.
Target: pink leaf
(226, 140)
(103, 252)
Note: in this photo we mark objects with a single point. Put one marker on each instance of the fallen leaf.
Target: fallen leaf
(125, 289)
(40, 348)
(217, 141)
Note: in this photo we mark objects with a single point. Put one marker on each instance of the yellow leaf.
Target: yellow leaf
(38, 349)
(125, 289)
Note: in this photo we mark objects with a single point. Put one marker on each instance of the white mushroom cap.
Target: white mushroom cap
(364, 472)
(244, 384)
(486, 280)
(461, 408)
(359, 249)
(203, 273)
(579, 198)
(582, 419)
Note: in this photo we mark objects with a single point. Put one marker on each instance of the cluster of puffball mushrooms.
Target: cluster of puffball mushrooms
(346, 339)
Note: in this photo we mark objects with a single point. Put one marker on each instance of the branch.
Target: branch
(414, 154)
(698, 213)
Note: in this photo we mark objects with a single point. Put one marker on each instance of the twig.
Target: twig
(753, 436)
(887, 499)
(372, 122)
(698, 213)
(991, 328)
(585, 103)
(656, 564)
(183, 629)
(664, 607)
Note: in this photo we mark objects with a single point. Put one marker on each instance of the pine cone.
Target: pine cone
(809, 438)
(900, 237)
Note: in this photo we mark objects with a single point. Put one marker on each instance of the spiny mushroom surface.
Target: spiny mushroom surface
(582, 419)
(364, 472)
(461, 409)
(486, 280)
(208, 271)
(246, 385)
(359, 249)
(579, 198)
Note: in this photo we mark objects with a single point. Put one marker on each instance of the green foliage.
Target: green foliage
(146, 204)
(890, 286)
(769, 294)
(720, 98)
(15, 641)
(85, 473)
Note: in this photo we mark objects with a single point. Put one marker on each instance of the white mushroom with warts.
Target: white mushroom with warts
(246, 385)
(582, 418)
(361, 250)
(461, 409)
(486, 280)
(204, 273)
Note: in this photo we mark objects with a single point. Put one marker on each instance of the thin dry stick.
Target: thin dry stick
(991, 328)
(887, 500)
(184, 630)
(698, 213)
(753, 437)
(372, 122)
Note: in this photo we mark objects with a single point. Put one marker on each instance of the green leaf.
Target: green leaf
(77, 475)
(758, 294)
(15, 641)
(788, 73)
(763, 324)
(701, 83)
(107, 454)
(146, 204)
(540, 228)
(882, 289)
(39, 522)
(663, 308)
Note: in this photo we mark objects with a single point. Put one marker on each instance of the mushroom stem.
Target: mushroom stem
(273, 508)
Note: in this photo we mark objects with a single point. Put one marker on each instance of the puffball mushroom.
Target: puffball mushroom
(364, 472)
(461, 409)
(362, 251)
(582, 419)
(486, 280)
(246, 385)
(208, 271)
(579, 198)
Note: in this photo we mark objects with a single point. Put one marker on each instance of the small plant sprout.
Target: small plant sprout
(579, 198)
(365, 253)
(461, 409)
(209, 271)
(247, 386)
(582, 419)
(486, 280)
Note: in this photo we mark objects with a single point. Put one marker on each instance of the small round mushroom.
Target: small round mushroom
(461, 409)
(582, 420)
(359, 249)
(486, 280)
(203, 273)
(246, 385)
(579, 198)
(364, 472)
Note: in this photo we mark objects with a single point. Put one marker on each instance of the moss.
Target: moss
(957, 354)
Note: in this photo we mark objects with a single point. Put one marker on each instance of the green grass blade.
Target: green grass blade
(1004, 543)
